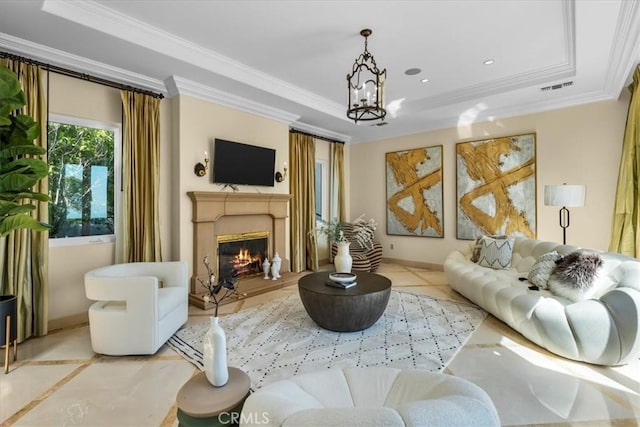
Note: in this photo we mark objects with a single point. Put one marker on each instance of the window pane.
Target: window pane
(81, 180)
(319, 190)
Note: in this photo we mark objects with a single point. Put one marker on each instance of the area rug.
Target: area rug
(277, 339)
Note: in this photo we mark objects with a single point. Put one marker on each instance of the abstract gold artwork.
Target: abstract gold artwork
(414, 192)
(496, 186)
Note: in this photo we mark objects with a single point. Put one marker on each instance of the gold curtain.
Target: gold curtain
(140, 236)
(24, 254)
(625, 231)
(337, 196)
(304, 251)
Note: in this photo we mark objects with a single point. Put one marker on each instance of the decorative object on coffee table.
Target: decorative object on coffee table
(345, 310)
(8, 327)
(199, 404)
(343, 260)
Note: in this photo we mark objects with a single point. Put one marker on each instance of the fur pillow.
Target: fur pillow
(542, 269)
(574, 274)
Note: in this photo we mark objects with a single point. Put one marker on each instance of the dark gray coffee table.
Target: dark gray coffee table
(345, 310)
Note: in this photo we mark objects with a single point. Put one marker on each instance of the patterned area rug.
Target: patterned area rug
(277, 340)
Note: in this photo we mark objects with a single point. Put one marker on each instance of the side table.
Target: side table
(201, 404)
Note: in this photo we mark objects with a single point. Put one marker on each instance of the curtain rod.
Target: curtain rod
(293, 130)
(82, 76)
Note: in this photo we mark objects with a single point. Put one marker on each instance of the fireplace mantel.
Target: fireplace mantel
(216, 213)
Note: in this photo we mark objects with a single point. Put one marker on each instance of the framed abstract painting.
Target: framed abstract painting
(414, 192)
(496, 186)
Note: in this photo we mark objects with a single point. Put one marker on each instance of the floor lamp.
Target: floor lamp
(564, 195)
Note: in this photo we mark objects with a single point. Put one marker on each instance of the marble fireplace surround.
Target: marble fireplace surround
(219, 213)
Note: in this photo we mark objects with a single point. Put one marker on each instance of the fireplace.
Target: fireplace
(217, 215)
(242, 254)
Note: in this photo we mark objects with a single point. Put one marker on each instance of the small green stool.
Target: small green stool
(201, 404)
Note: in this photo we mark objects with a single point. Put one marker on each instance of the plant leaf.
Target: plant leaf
(20, 221)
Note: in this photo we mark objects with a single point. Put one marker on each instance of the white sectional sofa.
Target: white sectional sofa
(603, 330)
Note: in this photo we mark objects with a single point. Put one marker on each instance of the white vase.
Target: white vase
(265, 268)
(343, 260)
(215, 354)
(276, 262)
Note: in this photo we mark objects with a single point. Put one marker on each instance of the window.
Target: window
(321, 178)
(84, 174)
(319, 187)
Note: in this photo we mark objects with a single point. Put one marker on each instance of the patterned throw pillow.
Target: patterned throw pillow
(496, 253)
(475, 254)
(541, 270)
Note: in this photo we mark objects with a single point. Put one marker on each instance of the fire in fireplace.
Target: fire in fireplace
(242, 254)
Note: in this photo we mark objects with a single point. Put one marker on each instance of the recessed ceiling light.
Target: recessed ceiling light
(424, 80)
(488, 62)
(412, 71)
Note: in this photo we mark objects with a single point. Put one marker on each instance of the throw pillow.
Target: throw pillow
(475, 253)
(574, 275)
(496, 252)
(541, 270)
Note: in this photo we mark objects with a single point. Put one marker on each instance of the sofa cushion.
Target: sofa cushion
(542, 269)
(496, 252)
(574, 274)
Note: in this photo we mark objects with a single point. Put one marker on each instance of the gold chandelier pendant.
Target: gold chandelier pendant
(366, 87)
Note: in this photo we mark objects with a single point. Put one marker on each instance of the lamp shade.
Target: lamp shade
(564, 195)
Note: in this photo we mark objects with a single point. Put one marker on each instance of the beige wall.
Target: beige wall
(67, 264)
(578, 145)
(198, 124)
(574, 145)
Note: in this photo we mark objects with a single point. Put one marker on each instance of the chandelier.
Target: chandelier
(366, 87)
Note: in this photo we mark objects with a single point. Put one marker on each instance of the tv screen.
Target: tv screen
(236, 163)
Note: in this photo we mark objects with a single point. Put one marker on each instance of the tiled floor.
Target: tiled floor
(59, 381)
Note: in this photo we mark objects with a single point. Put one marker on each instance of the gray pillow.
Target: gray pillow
(475, 254)
(541, 270)
(574, 275)
(496, 253)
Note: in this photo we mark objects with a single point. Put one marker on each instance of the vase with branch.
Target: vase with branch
(215, 341)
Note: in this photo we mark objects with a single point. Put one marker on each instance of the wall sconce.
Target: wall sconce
(281, 176)
(201, 170)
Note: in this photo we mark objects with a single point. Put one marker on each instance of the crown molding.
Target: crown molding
(181, 86)
(106, 20)
(60, 58)
(625, 48)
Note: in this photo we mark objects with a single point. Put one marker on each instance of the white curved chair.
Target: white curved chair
(381, 396)
(139, 306)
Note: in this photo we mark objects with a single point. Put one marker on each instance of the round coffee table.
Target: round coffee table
(345, 310)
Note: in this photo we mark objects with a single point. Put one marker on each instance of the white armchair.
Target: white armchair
(139, 306)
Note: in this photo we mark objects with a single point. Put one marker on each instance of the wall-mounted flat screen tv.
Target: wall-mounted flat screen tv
(236, 163)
